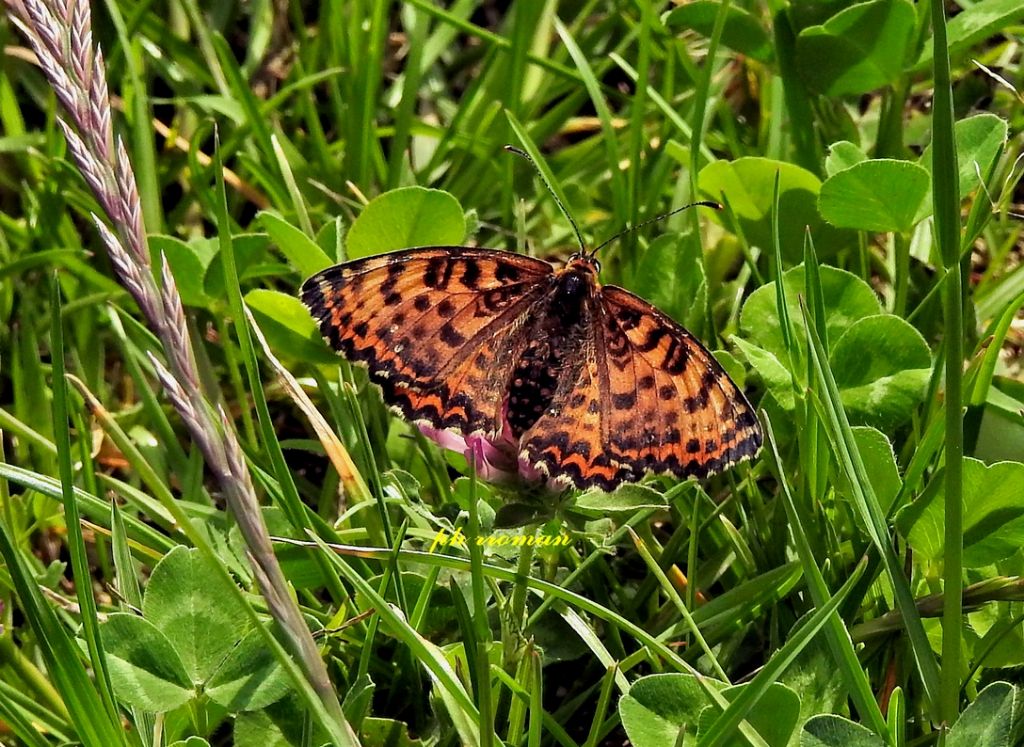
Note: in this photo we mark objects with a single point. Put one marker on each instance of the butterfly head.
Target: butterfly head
(576, 281)
(584, 262)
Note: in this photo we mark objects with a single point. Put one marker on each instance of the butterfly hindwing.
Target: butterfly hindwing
(471, 389)
(648, 398)
(672, 407)
(432, 325)
(566, 443)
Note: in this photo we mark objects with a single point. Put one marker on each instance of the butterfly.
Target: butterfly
(592, 385)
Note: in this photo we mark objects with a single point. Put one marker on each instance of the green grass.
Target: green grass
(859, 583)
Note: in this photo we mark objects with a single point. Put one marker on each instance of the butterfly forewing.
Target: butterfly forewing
(438, 328)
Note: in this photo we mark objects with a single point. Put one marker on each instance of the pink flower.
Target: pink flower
(495, 460)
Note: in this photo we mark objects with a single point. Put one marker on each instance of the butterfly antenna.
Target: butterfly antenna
(620, 234)
(575, 228)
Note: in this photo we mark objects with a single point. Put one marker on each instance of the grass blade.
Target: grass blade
(611, 144)
(87, 712)
(286, 611)
(946, 203)
(857, 684)
(76, 542)
(460, 707)
(725, 724)
(847, 454)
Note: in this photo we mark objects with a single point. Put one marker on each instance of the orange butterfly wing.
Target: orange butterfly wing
(648, 398)
(438, 327)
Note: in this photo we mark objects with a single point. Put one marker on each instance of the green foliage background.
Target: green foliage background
(859, 583)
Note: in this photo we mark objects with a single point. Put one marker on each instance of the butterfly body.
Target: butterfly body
(563, 315)
(588, 384)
